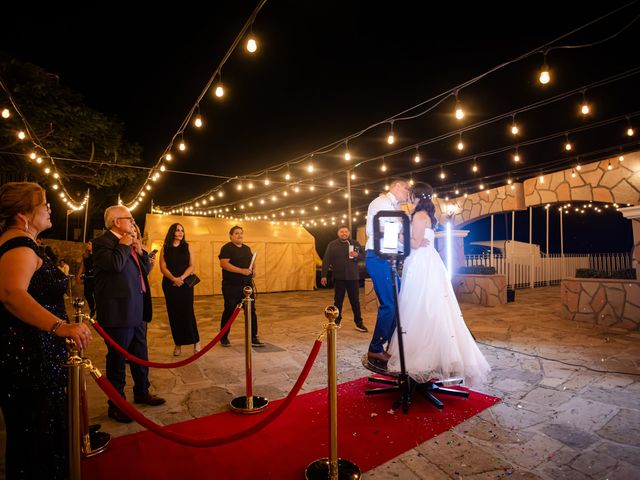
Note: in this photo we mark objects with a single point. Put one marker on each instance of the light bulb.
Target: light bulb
(578, 167)
(39, 160)
(568, 146)
(182, 146)
(459, 111)
(442, 175)
(168, 157)
(287, 176)
(267, 181)
(391, 139)
(5, 113)
(541, 178)
(545, 76)
(310, 168)
(252, 45)
(514, 129)
(621, 158)
(460, 145)
(630, 132)
(383, 167)
(475, 168)
(347, 155)
(32, 155)
(417, 158)
(609, 167)
(198, 121)
(219, 90)
(21, 135)
(516, 158)
(584, 109)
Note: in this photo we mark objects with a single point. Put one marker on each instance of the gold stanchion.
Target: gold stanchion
(92, 440)
(332, 468)
(74, 362)
(249, 403)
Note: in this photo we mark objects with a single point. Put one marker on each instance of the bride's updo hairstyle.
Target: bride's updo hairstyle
(423, 192)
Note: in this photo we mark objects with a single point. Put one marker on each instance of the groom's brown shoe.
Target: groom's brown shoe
(378, 359)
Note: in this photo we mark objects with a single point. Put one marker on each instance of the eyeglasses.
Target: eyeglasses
(131, 219)
(46, 205)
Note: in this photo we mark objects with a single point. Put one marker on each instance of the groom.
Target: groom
(379, 269)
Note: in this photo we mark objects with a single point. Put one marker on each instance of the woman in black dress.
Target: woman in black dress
(176, 263)
(33, 377)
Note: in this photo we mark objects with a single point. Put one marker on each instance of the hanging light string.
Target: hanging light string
(216, 74)
(438, 99)
(53, 171)
(440, 165)
(495, 119)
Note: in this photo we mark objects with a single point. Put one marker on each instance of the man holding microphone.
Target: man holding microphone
(342, 255)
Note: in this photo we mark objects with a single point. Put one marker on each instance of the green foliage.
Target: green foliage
(627, 273)
(477, 270)
(88, 143)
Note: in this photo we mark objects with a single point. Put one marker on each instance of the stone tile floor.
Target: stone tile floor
(571, 392)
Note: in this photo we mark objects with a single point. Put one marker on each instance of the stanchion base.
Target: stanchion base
(99, 442)
(240, 405)
(319, 470)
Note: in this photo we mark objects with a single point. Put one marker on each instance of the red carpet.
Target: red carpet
(368, 436)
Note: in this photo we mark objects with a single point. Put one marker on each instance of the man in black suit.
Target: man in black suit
(120, 266)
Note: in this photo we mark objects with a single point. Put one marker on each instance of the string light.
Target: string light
(516, 156)
(198, 121)
(168, 157)
(21, 135)
(416, 158)
(630, 131)
(584, 108)
(391, 137)
(347, 155)
(567, 146)
(460, 144)
(459, 112)
(219, 91)
(514, 126)
(545, 75)
(6, 113)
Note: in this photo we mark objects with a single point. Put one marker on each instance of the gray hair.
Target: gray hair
(110, 215)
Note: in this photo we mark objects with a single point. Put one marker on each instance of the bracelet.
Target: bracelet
(56, 326)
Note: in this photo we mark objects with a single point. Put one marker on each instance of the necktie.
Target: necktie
(135, 258)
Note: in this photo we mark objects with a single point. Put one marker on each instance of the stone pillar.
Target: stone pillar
(457, 247)
(633, 214)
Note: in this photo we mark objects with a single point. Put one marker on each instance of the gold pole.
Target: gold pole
(331, 312)
(332, 468)
(248, 403)
(74, 362)
(247, 291)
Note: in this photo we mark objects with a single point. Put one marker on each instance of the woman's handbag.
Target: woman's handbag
(192, 280)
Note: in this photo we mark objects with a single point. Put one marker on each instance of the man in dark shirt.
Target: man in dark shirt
(342, 255)
(235, 260)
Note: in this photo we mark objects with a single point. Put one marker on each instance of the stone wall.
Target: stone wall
(487, 290)
(614, 303)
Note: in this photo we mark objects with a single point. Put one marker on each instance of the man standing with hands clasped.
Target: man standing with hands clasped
(120, 266)
(342, 255)
(235, 260)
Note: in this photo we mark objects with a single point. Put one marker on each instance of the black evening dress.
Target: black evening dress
(33, 379)
(179, 299)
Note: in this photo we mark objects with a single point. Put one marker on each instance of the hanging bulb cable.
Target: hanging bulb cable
(545, 75)
(567, 144)
(584, 107)
(459, 112)
(514, 126)
(251, 45)
(197, 122)
(391, 138)
(219, 91)
(630, 131)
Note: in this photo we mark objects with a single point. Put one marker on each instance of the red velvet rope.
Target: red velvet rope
(168, 434)
(146, 363)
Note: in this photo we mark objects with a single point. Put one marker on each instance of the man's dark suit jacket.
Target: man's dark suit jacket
(118, 291)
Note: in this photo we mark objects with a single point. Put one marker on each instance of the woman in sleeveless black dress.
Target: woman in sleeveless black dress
(33, 377)
(176, 263)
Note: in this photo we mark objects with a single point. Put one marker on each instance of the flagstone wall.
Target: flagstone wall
(487, 290)
(608, 302)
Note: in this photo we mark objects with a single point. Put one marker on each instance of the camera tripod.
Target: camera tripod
(402, 382)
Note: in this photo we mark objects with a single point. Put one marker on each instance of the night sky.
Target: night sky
(325, 70)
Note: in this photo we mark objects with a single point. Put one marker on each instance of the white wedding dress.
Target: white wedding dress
(437, 342)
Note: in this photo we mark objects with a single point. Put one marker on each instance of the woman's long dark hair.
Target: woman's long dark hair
(423, 192)
(168, 240)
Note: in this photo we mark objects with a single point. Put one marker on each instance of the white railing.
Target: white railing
(524, 271)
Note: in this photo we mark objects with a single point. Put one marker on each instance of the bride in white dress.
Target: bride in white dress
(437, 342)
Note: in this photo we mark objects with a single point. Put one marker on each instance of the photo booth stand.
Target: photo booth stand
(402, 382)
